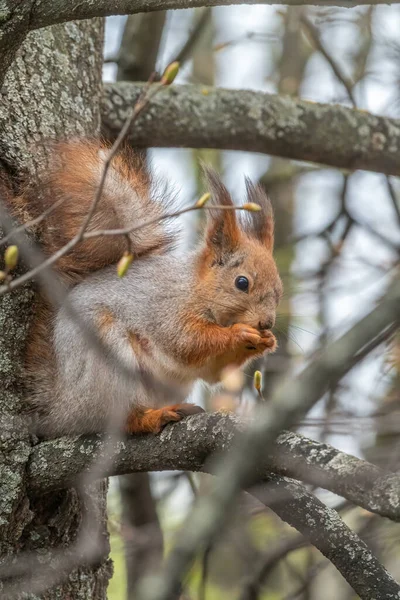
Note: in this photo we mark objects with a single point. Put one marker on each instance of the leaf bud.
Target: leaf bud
(11, 257)
(124, 264)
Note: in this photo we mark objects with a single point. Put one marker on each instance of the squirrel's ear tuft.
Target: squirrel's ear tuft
(260, 224)
(223, 232)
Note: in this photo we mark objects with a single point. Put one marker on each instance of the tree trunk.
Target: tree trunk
(52, 91)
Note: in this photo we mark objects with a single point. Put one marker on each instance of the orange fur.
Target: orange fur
(229, 345)
(72, 180)
(39, 355)
(245, 338)
(224, 327)
(153, 420)
(138, 343)
(105, 321)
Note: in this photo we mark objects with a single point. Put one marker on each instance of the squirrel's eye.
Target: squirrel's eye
(242, 283)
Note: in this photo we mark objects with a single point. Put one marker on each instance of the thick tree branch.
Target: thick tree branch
(187, 446)
(199, 117)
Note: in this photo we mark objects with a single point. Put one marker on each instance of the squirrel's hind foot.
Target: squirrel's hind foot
(154, 420)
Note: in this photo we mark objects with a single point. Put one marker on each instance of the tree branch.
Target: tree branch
(48, 12)
(325, 529)
(200, 117)
(187, 445)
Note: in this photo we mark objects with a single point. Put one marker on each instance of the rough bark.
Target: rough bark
(187, 445)
(201, 117)
(289, 403)
(14, 26)
(51, 90)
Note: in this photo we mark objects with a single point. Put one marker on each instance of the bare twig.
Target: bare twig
(56, 294)
(291, 454)
(309, 576)
(148, 92)
(177, 213)
(248, 36)
(205, 563)
(46, 263)
(186, 51)
(348, 84)
(140, 104)
(191, 482)
(324, 528)
(252, 587)
(394, 198)
(315, 38)
(32, 222)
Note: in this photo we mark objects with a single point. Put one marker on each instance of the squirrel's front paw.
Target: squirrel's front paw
(253, 340)
(245, 335)
(267, 341)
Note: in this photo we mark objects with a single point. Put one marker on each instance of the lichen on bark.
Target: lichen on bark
(194, 116)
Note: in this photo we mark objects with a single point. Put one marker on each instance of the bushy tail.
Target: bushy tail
(129, 198)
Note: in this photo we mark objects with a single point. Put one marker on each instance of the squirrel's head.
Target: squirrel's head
(239, 280)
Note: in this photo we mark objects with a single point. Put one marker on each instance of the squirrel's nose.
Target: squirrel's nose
(267, 324)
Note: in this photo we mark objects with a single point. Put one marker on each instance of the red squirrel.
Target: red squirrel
(177, 318)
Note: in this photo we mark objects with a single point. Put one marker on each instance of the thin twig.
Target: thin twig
(252, 587)
(32, 222)
(205, 563)
(314, 36)
(185, 52)
(394, 198)
(98, 233)
(309, 576)
(177, 213)
(141, 103)
(56, 293)
(191, 482)
(348, 84)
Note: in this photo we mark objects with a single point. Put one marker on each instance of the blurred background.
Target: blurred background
(337, 239)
